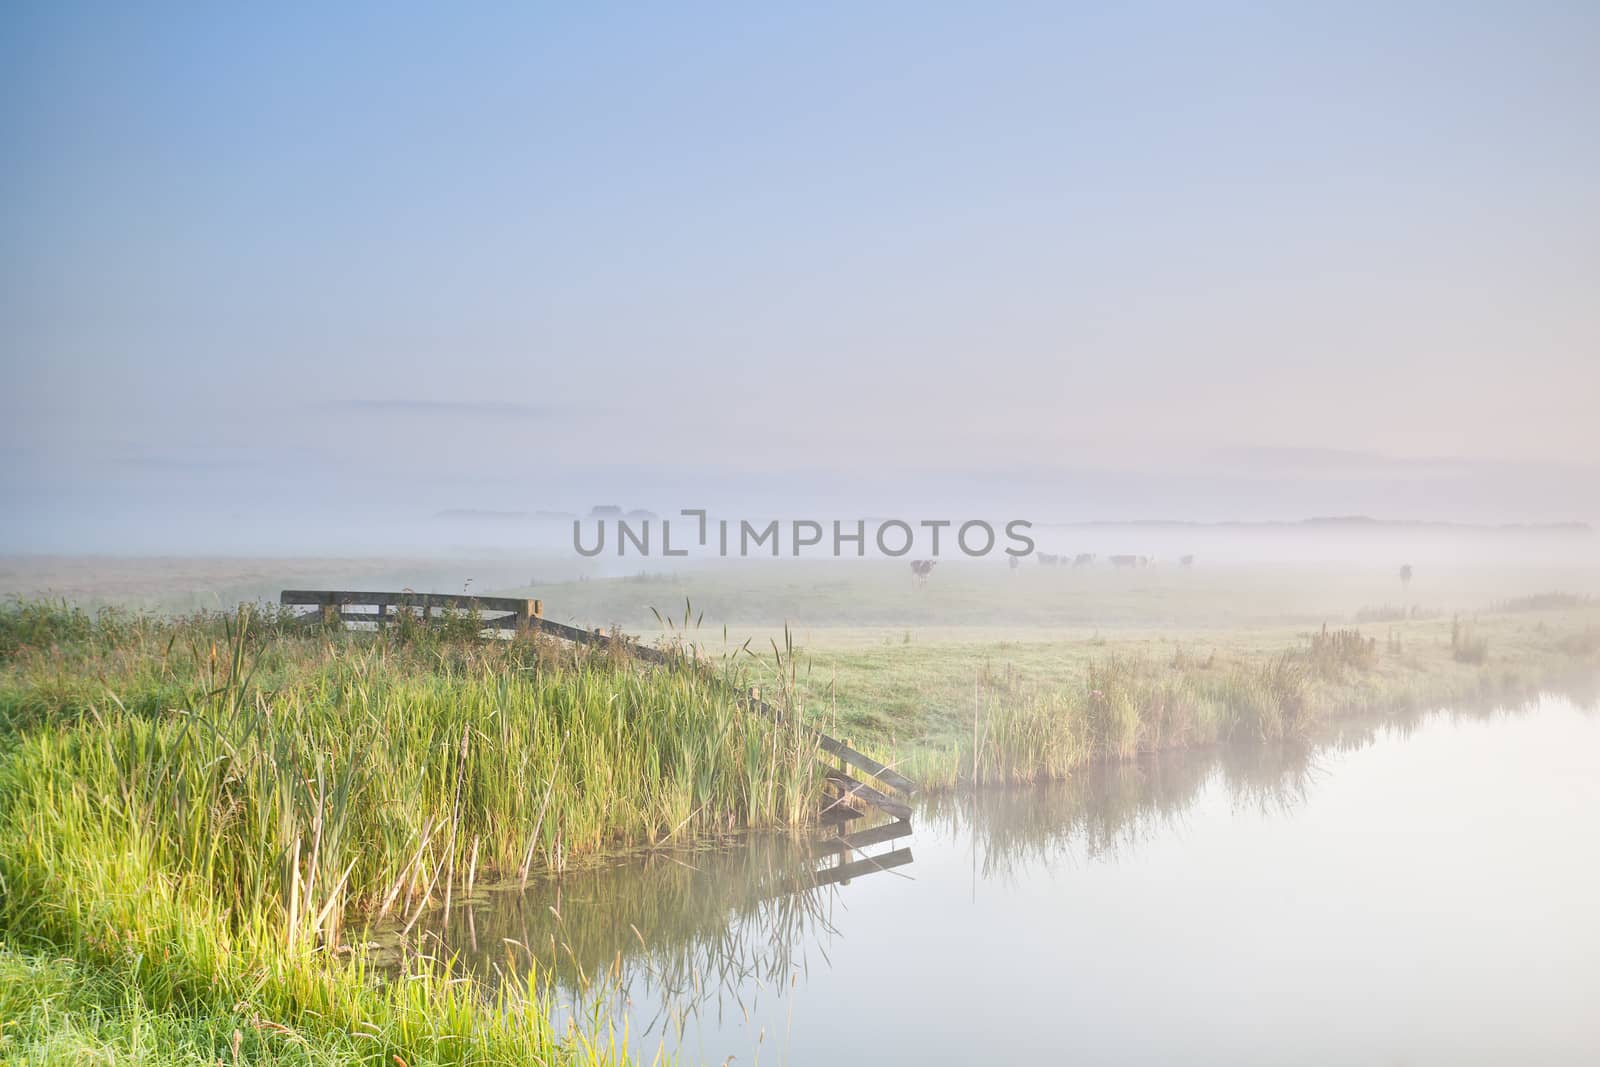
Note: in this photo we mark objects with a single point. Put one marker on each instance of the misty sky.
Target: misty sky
(275, 269)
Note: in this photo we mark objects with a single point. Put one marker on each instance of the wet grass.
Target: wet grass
(1036, 705)
(1123, 707)
(1330, 653)
(1467, 645)
(191, 811)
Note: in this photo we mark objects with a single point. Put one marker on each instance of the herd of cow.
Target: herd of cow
(924, 567)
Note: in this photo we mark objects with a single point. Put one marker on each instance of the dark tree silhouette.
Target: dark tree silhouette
(1405, 576)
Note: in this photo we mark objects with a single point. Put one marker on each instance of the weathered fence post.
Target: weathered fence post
(330, 610)
(527, 611)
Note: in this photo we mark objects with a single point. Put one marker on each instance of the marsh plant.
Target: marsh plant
(1330, 653)
(1123, 706)
(201, 809)
(1466, 644)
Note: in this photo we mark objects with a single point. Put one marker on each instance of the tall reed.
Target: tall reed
(1122, 707)
(205, 805)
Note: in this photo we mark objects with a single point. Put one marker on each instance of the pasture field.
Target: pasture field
(967, 596)
(747, 595)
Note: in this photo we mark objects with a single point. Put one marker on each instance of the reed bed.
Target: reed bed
(1330, 653)
(192, 811)
(1467, 645)
(1123, 707)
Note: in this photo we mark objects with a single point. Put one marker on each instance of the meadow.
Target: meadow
(201, 815)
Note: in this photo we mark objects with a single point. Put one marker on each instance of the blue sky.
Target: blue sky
(550, 255)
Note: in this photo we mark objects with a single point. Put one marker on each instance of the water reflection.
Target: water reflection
(1115, 806)
(704, 938)
(681, 931)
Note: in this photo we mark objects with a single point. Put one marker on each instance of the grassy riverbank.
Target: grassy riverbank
(191, 811)
(188, 812)
(1036, 704)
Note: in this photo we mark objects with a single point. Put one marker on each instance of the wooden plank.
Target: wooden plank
(859, 839)
(358, 616)
(862, 762)
(840, 803)
(855, 789)
(308, 597)
(592, 637)
(862, 867)
(835, 813)
(876, 835)
(784, 886)
(501, 622)
(570, 633)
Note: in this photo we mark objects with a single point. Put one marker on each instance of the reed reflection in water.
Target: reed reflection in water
(721, 943)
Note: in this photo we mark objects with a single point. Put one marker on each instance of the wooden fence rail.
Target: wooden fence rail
(332, 602)
(844, 872)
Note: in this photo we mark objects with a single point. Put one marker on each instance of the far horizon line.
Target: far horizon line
(615, 512)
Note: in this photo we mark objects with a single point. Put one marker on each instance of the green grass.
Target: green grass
(190, 812)
(90, 1007)
(200, 816)
(921, 705)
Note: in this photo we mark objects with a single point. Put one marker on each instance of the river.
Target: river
(1420, 890)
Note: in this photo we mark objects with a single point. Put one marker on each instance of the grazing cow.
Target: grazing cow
(1186, 561)
(1083, 559)
(1125, 561)
(1049, 559)
(923, 567)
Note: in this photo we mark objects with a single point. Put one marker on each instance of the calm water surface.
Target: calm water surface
(1418, 892)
